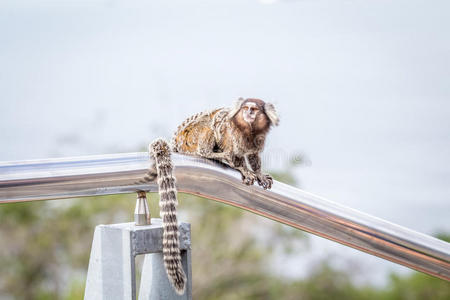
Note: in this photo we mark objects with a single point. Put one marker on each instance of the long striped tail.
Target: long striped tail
(168, 210)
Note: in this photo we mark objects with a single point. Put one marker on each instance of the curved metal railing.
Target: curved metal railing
(118, 173)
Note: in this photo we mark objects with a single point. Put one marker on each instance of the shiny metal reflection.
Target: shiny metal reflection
(118, 173)
(141, 212)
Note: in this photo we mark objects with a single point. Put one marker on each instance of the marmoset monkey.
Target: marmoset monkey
(234, 136)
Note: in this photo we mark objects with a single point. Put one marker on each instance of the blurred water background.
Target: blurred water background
(362, 88)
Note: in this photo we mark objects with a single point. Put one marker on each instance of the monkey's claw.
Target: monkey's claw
(265, 181)
(248, 178)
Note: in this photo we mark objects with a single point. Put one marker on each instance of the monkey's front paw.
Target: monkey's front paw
(265, 180)
(248, 178)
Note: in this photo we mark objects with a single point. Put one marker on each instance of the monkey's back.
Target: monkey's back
(193, 131)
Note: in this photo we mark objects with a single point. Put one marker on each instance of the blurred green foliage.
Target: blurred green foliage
(443, 236)
(46, 246)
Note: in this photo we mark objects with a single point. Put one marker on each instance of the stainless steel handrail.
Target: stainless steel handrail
(119, 173)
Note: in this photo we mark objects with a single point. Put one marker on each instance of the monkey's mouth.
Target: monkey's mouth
(248, 118)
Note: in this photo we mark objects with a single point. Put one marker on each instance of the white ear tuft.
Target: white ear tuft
(271, 113)
(236, 107)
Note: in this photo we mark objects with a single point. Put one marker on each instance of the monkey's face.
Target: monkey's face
(253, 116)
(249, 111)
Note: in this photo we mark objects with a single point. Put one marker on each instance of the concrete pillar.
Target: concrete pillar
(111, 273)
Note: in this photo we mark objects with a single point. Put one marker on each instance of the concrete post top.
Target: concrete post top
(148, 238)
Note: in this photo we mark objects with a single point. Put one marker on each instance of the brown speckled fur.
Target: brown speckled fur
(224, 135)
